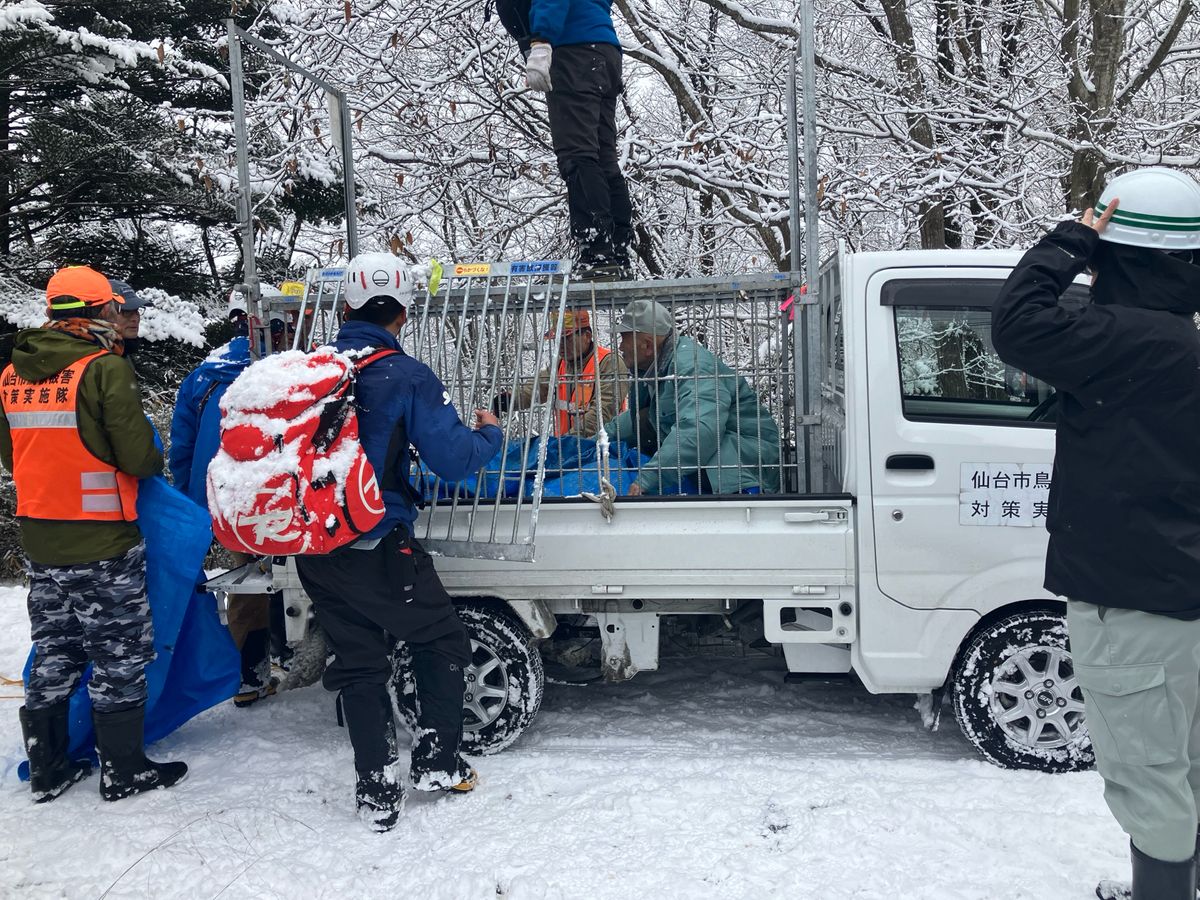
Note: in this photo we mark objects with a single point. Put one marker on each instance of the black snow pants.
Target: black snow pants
(583, 128)
(366, 600)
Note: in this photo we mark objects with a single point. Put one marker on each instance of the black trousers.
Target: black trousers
(366, 600)
(583, 129)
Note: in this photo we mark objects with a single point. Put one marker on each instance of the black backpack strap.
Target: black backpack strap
(205, 397)
(396, 476)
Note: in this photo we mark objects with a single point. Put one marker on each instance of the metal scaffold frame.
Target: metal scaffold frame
(336, 99)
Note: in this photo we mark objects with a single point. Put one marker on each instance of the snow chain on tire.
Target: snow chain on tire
(497, 636)
(1016, 697)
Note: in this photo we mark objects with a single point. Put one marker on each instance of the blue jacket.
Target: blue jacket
(399, 389)
(563, 22)
(196, 424)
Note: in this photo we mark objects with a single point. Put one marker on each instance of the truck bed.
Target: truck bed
(686, 549)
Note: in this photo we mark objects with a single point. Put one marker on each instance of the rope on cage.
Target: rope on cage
(607, 497)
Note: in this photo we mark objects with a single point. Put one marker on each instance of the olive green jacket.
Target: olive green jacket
(113, 427)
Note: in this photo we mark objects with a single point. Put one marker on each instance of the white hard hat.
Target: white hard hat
(1159, 208)
(237, 301)
(372, 275)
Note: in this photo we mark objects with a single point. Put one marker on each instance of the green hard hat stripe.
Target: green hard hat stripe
(1159, 223)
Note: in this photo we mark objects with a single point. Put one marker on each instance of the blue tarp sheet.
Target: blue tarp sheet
(571, 469)
(197, 664)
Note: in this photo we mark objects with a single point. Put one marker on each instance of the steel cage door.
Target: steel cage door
(490, 328)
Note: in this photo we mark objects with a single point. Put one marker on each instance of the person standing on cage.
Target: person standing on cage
(572, 54)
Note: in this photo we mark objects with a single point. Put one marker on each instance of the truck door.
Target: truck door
(961, 444)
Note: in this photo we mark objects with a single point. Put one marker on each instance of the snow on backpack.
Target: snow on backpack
(291, 477)
(514, 16)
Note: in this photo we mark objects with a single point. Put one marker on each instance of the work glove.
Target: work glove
(501, 403)
(537, 68)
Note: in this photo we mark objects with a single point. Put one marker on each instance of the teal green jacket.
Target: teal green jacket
(706, 418)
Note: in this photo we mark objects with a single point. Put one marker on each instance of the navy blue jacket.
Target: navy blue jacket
(399, 389)
(563, 22)
(196, 424)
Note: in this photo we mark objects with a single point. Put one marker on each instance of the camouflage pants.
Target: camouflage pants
(90, 612)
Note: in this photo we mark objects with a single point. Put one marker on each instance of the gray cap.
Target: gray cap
(646, 317)
(130, 300)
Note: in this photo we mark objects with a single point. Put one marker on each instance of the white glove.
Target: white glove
(537, 68)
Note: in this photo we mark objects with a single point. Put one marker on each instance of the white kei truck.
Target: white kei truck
(904, 549)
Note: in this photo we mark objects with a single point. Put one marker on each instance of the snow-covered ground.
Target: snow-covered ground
(705, 780)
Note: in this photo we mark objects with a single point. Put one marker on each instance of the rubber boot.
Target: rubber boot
(1123, 890)
(1156, 879)
(124, 768)
(47, 738)
(378, 793)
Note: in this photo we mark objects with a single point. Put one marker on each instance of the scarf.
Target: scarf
(96, 331)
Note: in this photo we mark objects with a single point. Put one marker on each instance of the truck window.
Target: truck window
(948, 367)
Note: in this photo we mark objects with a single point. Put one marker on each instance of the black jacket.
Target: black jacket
(1124, 516)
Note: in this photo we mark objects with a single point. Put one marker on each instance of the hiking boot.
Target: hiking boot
(249, 694)
(124, 768)
(599, 271)
(47, 738)
(466, 785)
(379, 798)
(257, 682)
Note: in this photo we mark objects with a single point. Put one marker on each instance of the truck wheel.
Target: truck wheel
(1016, 698)
(504, 680)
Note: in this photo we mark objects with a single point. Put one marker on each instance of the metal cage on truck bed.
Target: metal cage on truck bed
(489, 329)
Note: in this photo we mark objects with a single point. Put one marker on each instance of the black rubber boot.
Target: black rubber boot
(378, 793)
(1123, 890)
(1155, 879)
(124, 768)
(47, 738)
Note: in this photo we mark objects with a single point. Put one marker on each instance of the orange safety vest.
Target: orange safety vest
(56, 475)
(573, 400)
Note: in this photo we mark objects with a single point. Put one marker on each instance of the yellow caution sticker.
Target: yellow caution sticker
(292, 288)
(435, 276)
(467, 269)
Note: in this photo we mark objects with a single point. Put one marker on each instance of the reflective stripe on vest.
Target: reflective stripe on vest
(43, 420)
(574, 400)
(57, 477)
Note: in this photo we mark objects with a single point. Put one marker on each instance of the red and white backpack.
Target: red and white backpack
(291, 477)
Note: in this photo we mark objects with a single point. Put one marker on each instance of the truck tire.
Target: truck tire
(1016, 697)
(504, 680)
